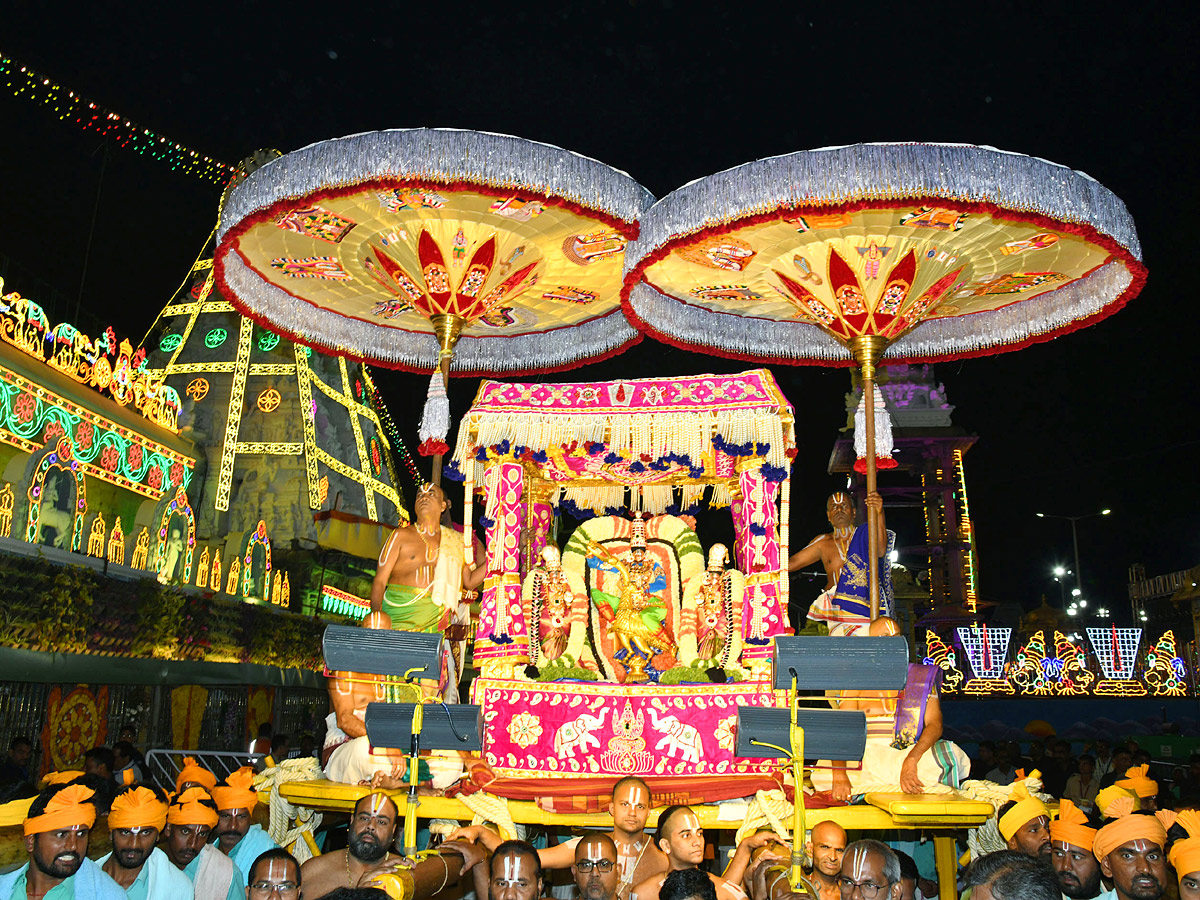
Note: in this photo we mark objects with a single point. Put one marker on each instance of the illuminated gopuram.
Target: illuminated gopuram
(929, 483)
(294, 452)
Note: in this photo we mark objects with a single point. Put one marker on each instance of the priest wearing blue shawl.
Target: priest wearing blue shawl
(845, 605)
(235, 836)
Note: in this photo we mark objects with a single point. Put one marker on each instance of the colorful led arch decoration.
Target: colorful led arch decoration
(31, 416)
(63, 459)
(258, 536)
(111, 368)
(179, 504)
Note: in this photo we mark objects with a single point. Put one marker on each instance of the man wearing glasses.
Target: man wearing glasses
(595, 867)
(870, 871)
(274, 875)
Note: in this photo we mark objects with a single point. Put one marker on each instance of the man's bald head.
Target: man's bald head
(827, 843)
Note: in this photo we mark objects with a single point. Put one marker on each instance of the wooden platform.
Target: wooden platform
(943, 814)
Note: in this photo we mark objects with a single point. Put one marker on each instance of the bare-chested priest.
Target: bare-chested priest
(832, 550)
(422, 571)
(638, 858)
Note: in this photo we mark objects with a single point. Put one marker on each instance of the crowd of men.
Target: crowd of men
(199, 843)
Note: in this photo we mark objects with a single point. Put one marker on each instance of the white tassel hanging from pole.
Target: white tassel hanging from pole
(883, 435)
(435, 420)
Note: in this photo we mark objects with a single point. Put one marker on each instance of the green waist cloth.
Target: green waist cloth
(411, 608)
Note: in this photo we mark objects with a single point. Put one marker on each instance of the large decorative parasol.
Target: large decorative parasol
(880, 253)
(419, 249)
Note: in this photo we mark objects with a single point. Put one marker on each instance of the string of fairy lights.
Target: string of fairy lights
(24, 83)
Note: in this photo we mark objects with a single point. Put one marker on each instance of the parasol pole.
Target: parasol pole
(447, 327)
(867, 349)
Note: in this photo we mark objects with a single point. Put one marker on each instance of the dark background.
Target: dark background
(669, 92)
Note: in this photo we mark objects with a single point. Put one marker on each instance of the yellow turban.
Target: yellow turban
(1113, 794)
(188, 810)
(237, 792)
(66, 809)
(1185, 855)
(1132, 827)
(1025, 809)
(193, 771)
(138, 808)
(1071, 826)
(1139, 782)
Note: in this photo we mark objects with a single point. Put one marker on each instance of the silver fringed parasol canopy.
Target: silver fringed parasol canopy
(877, 253)
(392, 246)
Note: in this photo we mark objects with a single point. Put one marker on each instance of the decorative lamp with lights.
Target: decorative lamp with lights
(878, 253)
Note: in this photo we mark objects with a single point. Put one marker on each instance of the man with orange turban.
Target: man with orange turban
(1130, 852)
(1071, 855)
(1138, 780)
(236, 837)
(56, 839)
(1185, 855)
(1023, 822)
(194, 775)
(191, 818)
(137, 816)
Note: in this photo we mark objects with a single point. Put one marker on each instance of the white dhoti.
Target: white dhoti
(941, 769)
(353, 762)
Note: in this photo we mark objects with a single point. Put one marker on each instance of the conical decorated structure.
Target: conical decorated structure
(285, 433)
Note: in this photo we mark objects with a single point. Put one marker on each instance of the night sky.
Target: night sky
(669, 92)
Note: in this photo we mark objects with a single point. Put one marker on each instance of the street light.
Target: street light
(1075, 535)
(1059, 571)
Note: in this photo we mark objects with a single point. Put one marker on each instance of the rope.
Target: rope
(283, 813)
(767, 808)
(490, 808)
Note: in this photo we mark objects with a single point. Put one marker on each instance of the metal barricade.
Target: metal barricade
(163, 766)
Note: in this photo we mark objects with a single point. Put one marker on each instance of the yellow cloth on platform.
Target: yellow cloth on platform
(66, 809)
(1132, 827)
(1071, 826)
(188, 810)
(237, 792)
(1138, 781)
(1026, 808)
(138, 808)
(1185, 855)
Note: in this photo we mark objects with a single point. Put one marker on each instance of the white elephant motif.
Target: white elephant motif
(679, 738)
(577, 734)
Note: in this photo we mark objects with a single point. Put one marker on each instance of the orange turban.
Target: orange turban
(1139, 782)
(138, 808)
(62, 777)
(1025, 809)
(1071, 826)
(237, 792)
(1133, 827)
(1126, 802)
(193, 771)
(1185, 855)
(188, 810)
(66, 809)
